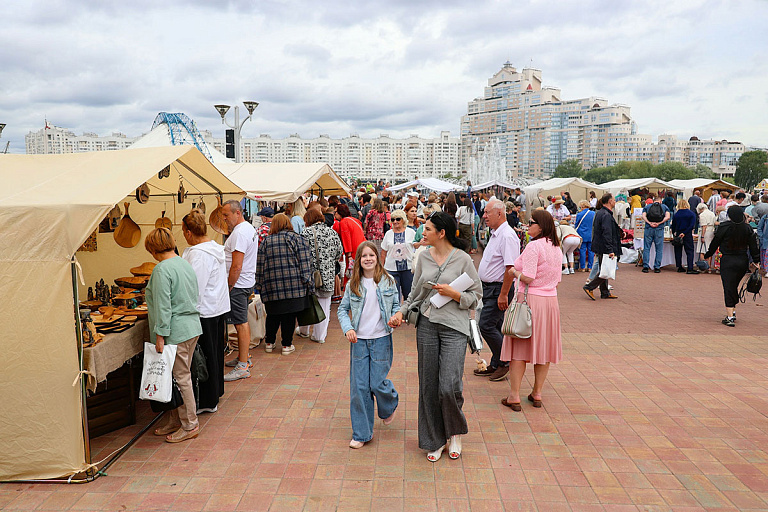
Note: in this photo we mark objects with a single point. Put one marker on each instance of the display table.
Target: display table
(667, 255)
(112, 352)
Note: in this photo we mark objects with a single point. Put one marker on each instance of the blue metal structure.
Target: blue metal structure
(182, 130)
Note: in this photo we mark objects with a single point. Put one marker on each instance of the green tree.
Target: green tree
(570, 168)
(702, 171)
(751, 169)
(600, 174)
(640, 169)
(673, 171)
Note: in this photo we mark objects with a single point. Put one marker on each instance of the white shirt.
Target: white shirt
(558, 212)
(208, 261)
(465, 215)
(522, 201)
(371, 324)
(398, 252)
(245, 240)
(503, 249)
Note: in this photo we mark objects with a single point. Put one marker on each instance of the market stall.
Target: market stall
(705, 185)
(429, 184)
(577, 187)
(668, 253)
(51, 206)
(496, 184)
(624, 186)
(284, 183)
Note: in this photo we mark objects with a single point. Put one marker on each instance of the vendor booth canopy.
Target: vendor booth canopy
(49, 205)
(577, 187)
(428, 183)
(704, 184)
(496, 183)
(627, 185)
(284, 182)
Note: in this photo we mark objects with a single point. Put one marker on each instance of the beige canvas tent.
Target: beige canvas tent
(577, 187)
(704, 184)
(284, 182)
(49, 205)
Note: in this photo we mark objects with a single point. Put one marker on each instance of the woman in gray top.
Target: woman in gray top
(441, 335)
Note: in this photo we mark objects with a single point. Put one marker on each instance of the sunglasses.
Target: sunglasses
(397, 220)
(533, 222)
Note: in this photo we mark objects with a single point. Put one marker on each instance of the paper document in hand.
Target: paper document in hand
(459, 284)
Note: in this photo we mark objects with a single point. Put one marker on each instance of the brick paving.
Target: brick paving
(656, 406)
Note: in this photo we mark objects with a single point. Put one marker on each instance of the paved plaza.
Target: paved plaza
(656, 406)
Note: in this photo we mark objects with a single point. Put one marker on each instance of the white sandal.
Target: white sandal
(435, 455)
(454, 450)
(356, 444)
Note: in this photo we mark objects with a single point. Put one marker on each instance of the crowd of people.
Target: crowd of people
(388, 259)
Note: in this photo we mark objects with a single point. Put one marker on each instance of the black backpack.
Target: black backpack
(753, 285)
(655, 212)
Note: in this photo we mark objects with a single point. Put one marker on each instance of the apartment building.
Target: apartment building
(365, 158)
(55, 140)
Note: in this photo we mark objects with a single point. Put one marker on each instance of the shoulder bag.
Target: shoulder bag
(317, 277)
(518, 321)
(414, 311)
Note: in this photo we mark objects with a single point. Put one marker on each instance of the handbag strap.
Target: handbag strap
(437, 277)
(582, 220)
(317, 251)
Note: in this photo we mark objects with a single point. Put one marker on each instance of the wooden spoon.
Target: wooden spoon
(128, 233)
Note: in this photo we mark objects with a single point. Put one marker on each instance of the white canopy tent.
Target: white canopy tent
(284, 182)
(626, 185)
(49, 205)
(577, 187)
(428, 183)
(706, 186)
(496, 183)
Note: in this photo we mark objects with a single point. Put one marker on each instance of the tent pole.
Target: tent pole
(79, 331)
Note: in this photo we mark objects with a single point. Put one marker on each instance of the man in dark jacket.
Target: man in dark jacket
(606, 239)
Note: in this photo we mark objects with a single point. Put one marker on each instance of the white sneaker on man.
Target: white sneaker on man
(289, 350)
(298, 332)
(269, 347)
(237, 373)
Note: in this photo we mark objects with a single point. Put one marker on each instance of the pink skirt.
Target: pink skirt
(545, 344)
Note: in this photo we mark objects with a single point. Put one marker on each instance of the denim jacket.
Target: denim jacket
(389, 304)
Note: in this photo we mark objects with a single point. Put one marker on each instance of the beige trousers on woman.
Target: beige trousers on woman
(187, 413)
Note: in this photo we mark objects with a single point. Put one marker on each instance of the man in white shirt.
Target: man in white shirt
(240, 251)
(499, 255)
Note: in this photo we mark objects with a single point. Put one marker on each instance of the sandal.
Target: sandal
(390, 419)
(182, 435)
(167, 429)
(515, 406)
(356, 444)
(454, 450)
(435, 455)
(536, 403)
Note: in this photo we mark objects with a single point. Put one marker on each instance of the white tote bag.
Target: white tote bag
(607, 267)
(157, 378)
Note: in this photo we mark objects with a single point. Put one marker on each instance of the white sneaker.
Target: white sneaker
(288, 350)
(298, 332)
(206, 409)
(237, 374)
(565, 271)
(316, 340)
(572, 271)
(269, 347)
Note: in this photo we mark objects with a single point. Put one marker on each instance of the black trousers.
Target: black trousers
(688, 245)
(732, 270)
(491, 319)
(213, 341)
(286, 322)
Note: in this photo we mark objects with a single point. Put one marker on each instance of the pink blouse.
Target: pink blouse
(542, 261)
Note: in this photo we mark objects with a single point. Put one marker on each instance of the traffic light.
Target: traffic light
(229, 139)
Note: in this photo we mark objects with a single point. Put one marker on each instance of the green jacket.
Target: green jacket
(171, 296)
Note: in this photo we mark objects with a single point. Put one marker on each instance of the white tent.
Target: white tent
(626, 185)
(495, 183)
(428, 183)
(577, 187)
(49, 205)
(706, 186)
(284, 182)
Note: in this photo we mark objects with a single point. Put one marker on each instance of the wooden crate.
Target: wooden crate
(113, 405)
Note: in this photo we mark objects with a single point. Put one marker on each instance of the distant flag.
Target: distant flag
(47, 126)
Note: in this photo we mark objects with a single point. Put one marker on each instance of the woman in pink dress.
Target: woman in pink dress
(538, 269)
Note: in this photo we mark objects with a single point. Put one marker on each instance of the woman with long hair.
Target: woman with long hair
(450, 207)
(465, 217)
(537, 271)
(375, 222)
(441, 335)
(370, 299)
(734, 238)
(411, 215)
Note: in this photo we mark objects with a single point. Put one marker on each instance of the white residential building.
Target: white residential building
(55, 140)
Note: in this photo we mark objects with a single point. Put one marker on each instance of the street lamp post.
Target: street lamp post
(238, 126)
(2, 126)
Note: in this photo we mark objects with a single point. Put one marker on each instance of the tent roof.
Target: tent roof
(284, 182)
(106, 177)
(430, 183)
(495, 183)
(699, 183)
(562, 184)
(617, 186)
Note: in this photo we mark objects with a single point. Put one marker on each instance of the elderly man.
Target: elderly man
(240, 251)
(499, 256)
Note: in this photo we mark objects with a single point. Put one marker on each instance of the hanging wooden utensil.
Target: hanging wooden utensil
(201, 205)
(182, 194)
(128, 233)
(216, 219)
(164, 173)
(164, 222)
(142, 194)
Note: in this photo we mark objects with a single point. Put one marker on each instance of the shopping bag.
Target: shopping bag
(607, 267)
(156, 377)
(313, 314)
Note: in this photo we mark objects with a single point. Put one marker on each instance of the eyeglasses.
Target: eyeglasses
(532, 222)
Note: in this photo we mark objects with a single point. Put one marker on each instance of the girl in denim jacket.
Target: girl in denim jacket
(370, 351)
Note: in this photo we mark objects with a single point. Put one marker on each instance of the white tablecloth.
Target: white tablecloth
(667, 257)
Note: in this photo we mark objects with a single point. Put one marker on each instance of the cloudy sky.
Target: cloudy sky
(693, 67)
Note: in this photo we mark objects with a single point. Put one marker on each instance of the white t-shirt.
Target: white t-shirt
(245, 240)
(402, 252)
(371, 324)
(208, 261)
(465, 215)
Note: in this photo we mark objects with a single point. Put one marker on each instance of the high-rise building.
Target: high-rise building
(55, 140)
(536, 129)
(368, 159)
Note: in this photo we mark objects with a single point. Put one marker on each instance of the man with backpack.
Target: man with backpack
(655, 216)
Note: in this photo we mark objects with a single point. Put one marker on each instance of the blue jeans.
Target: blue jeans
(404, 281)
(653, 236)
(595, 267)
(585, 255)
(369, 364)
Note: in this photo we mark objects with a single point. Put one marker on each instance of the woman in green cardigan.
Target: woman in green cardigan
(171, 296)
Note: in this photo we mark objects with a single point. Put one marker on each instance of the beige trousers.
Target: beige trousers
(187, 413)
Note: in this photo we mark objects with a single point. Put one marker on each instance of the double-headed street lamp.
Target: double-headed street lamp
(2, 125)
(223, 109)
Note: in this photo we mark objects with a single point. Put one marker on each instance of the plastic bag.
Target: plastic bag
(156, 376)
(607, 267)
